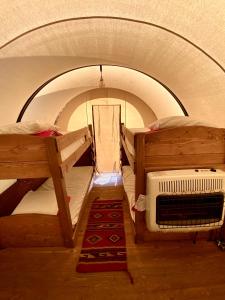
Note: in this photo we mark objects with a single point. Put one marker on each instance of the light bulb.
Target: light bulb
(101, 83)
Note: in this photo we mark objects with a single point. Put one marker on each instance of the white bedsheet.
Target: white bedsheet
(6, 183)
(43, 201)
(129, 187)
(77, 184)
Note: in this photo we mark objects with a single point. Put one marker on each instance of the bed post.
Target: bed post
(139, 144)
(60, 191)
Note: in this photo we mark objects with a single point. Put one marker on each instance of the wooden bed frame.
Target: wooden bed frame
(171, 149)
(24, 157)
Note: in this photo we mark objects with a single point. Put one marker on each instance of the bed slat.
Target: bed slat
(67, 139)
(12, 170)
(185, 146)
(189, 132)
(184, 159)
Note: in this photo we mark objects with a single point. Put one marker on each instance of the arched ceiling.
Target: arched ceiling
(179, 42)
(54, 96)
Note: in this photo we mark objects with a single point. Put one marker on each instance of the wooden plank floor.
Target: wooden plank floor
(162, 270)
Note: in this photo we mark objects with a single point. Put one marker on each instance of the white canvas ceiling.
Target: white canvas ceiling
(179, 42)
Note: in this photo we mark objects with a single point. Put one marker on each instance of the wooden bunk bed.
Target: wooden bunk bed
(190, 147)
(33, 159)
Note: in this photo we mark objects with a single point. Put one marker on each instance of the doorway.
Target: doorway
(106, 128)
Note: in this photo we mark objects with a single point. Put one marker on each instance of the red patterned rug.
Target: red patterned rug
(104, 244)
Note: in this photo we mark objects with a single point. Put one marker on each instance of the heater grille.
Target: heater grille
(189, 209)
(190, 185)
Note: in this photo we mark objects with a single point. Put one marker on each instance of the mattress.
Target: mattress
(77, 184)
(43, 200)
(6, 183)
(129, 187)
(130, 147)
(38, 202)
(75, 178)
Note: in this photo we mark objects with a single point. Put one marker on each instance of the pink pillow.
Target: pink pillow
(47, 133)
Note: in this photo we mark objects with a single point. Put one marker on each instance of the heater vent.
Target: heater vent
(191, 185)
(185, 200)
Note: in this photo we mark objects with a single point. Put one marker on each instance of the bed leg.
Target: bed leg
(138, 239)
(140, 227)
(69, 243)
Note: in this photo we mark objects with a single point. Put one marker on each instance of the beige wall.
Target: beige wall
(82, 116)
(137, 107)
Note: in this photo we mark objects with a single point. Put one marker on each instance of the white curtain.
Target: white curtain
(106, 121)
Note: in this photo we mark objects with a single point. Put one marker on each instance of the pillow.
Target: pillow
(47, 133)
(177, 121)
(28, 127)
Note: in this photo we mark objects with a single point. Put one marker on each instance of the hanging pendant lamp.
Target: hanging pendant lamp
(101, 81)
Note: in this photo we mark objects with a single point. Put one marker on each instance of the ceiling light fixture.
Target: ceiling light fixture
(101, 81)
